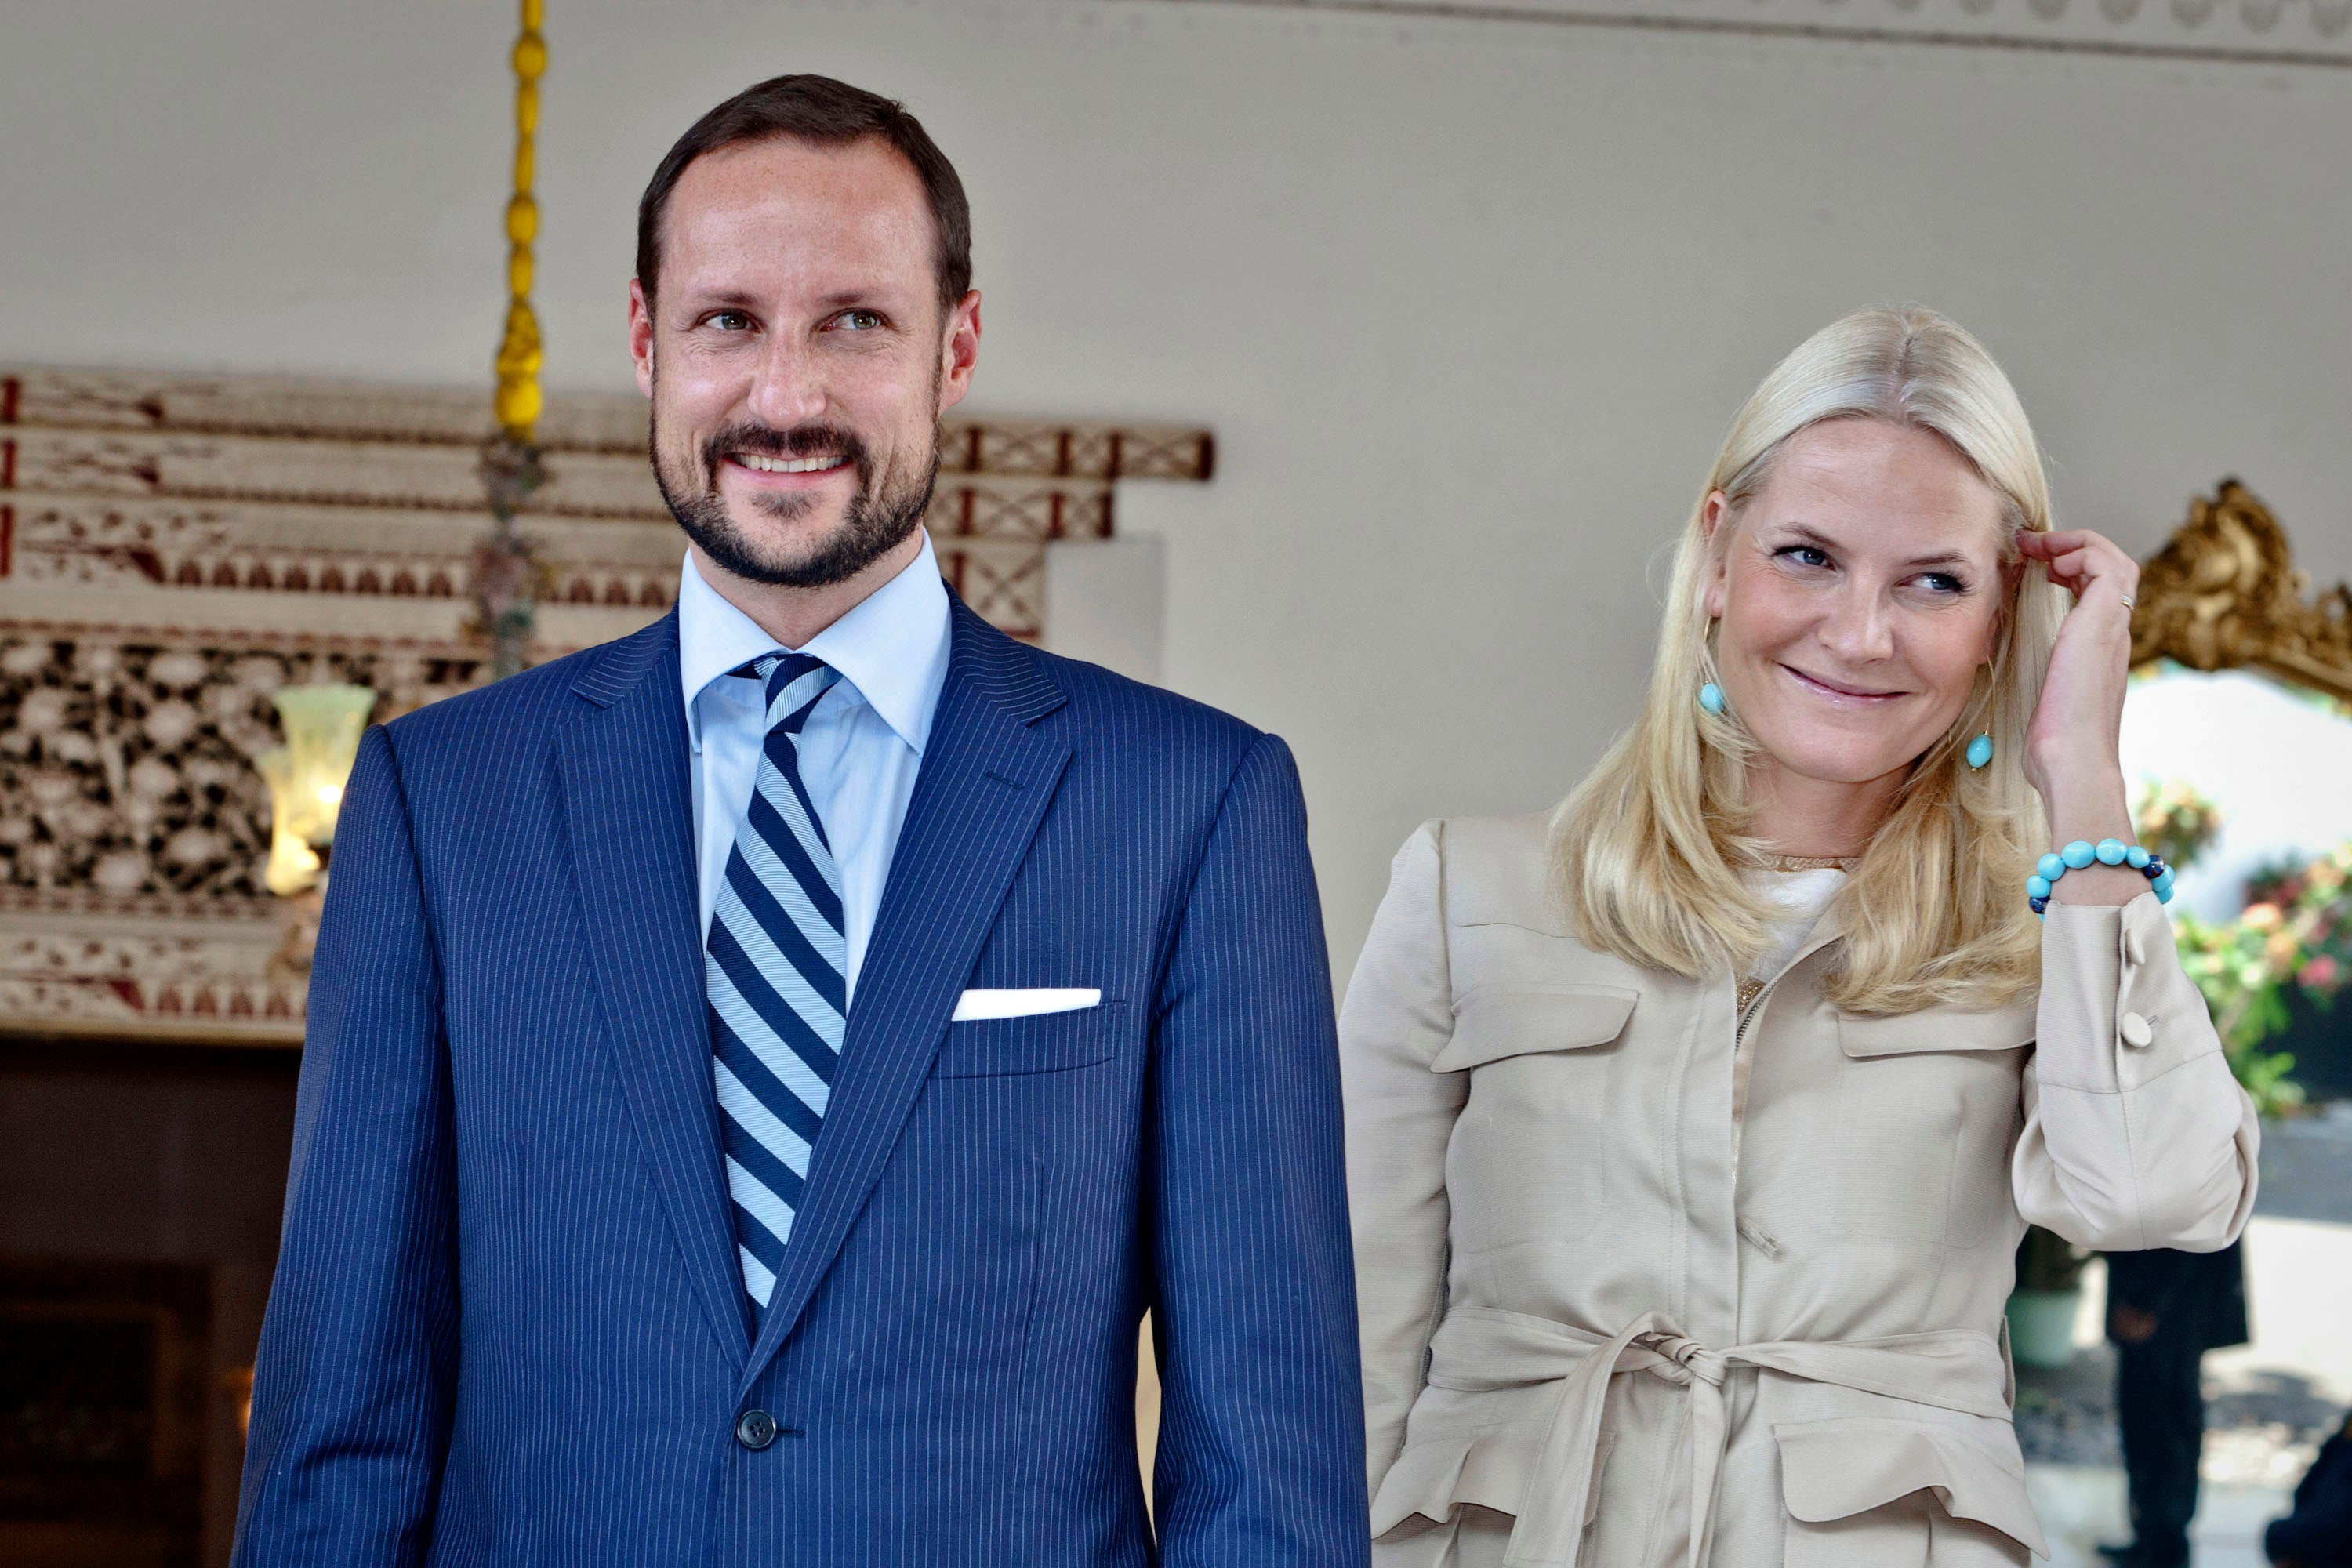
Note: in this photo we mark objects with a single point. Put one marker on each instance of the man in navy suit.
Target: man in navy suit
(761, 1070)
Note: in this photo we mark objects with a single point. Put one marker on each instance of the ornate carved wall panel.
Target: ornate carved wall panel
(174, 549)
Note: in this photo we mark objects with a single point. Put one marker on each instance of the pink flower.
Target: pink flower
(2319, 975)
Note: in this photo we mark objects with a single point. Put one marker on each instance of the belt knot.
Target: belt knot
(1953, 1369)
(1686, 1354)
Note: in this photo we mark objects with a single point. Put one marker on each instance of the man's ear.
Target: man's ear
(641, 336)
(1711, 517)
(959, 351)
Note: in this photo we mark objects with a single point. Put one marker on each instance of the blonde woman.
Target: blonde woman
(1692, 1129)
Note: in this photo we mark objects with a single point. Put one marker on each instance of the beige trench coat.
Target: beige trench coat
(1607, 1304)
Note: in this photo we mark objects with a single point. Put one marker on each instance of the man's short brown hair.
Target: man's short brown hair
(827, 113)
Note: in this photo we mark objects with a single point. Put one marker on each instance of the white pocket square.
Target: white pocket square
(1024, 1003)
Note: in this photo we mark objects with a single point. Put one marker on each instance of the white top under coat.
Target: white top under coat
(1803, 896)
(860, 750)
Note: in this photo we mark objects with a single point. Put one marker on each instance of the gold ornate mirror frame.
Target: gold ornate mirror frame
(2224, 594)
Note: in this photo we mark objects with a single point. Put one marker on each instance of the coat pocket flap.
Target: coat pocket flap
(1835, 1469)
(1507, 1020)
(1936, 1029)
(1490, 1468)
(1035, 1042)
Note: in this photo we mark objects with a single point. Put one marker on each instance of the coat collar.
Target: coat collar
(628, 819)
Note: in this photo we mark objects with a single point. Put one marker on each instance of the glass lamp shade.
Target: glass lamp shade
(293, 864)
(322, 738)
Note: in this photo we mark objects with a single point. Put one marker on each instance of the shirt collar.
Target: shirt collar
(891, 647)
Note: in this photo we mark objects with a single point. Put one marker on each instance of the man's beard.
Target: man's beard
(875, 521)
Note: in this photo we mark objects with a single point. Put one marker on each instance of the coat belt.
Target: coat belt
(1479, 1348)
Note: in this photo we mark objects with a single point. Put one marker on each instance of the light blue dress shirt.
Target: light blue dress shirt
(860, 749)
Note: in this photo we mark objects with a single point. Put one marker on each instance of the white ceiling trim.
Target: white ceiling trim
(2258, 32)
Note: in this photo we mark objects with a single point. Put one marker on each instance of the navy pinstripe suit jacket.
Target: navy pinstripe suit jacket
(508, 1325)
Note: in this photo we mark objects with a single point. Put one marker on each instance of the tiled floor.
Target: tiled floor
(2081, 1505)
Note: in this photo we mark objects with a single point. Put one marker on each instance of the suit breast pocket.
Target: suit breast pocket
(1041, 1042)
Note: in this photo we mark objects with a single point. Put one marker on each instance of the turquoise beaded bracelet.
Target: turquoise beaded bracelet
(2106, 852)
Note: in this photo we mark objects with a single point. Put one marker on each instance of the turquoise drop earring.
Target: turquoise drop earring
(1710, 696)
(1980, 750)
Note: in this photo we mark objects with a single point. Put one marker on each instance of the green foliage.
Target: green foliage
(2176, 822)
(2245, 983)
(2294, 935)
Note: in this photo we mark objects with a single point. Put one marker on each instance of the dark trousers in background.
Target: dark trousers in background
(2165, 1311)
(2160, 1406)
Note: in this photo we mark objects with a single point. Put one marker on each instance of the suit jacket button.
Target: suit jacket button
(755, 1429)
(2135, 1030)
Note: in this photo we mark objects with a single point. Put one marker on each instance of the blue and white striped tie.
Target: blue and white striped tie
(775, 962)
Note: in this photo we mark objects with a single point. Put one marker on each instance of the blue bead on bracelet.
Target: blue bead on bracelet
(2106, 852)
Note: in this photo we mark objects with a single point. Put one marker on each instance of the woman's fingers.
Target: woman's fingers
(2079, 557)
(2064, 553)
(2058, 541)
(2072, 551)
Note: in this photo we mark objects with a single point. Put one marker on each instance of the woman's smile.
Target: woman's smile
(1841, 693)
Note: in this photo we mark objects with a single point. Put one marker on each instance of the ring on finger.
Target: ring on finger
(2129, 601)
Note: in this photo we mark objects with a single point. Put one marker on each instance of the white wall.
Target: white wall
(1467, 303)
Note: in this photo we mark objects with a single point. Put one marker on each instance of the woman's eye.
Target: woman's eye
(1943, 583)
(1802, 554)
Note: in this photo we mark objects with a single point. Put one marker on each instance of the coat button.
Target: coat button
(2133, 951)
(755, 1429)
(2135, 1030)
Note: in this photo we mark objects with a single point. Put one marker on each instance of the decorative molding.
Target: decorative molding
(314, 471)
(91, 538)
(2255, 32)
(207, 980)
(243, 483)
(309, 410)
(2224, 592)
(613, 424)
(174, 549)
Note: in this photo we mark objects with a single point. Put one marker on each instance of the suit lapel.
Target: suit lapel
(629, 817)
(986, 780)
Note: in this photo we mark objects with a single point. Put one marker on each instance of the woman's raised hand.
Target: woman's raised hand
(2071, 747)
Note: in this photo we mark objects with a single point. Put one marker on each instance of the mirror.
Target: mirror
(2266, 765)
(2237, 740)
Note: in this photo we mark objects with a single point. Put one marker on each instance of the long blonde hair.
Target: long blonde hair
(1649, 849)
